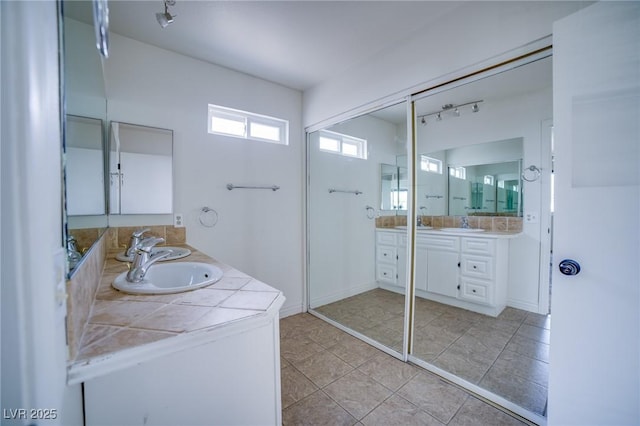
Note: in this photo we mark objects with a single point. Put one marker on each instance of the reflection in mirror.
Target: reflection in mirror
(84, 96)
(393, 187)
(477, 315)
(84, 166)
(348, 283)
(140, 169)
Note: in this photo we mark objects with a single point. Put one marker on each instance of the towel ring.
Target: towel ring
(371, 212)
(208, 217)
(533, 176)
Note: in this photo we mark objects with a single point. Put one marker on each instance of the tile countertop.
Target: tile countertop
(439, 231)
(126, 329)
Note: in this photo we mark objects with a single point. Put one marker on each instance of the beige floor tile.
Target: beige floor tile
(353, 351)
(434, 395)
(522, 392)
(298, 348)
(475, 412)
(389, 371)
(357, 393)
(528, 368)
(536, 333)
(317, 409)
(399, 411)
(322, 368)
(295, 386)
(529, 347)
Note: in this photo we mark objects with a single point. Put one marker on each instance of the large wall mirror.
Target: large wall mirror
(86, 111)
(140, 169)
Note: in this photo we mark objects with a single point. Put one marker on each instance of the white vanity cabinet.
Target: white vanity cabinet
(387, 257)
(470, 272)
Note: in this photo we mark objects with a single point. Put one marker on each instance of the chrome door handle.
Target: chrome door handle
(569, 267)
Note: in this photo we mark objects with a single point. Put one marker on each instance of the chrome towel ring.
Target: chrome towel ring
(531, 173)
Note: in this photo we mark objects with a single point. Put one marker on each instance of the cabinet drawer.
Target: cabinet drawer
(482, 246)
(386, 273)
(477, 266)
(388, 238)
(387, 254)
(475, 291)
(402, 240)
(439, 242)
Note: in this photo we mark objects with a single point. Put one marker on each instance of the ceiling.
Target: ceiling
(298, 44)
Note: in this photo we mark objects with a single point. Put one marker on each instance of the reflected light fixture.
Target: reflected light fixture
(450, 109)
(166, 18)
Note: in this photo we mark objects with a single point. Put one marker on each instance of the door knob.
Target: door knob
(569, 267)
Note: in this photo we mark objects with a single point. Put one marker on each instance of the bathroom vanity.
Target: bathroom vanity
(196, 357)
(464, 269)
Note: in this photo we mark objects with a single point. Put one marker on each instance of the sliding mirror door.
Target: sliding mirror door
(357, 201)
(479, 318)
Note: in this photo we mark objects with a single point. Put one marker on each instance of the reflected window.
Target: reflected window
(342, 144)
(431, 165)
(458, 172)
(247, 125)
(489, 180)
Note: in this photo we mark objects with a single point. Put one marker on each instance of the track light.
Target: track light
(166, 18)
(450, 109)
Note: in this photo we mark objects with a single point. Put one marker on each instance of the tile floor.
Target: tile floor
(507, 355)
(331, 378)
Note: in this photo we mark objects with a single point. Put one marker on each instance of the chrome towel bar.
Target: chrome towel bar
(354, 191)
(231, 186)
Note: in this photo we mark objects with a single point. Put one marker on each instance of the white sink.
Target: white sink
(462, 230)
(419, 228)
(171, 278)
(175, 253)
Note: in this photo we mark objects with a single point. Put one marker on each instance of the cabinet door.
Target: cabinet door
(442, 273)
(422, 260)
(402, 263)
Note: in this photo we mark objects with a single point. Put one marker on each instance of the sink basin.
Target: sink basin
(176, 253)
(419, 228)
(462, 230)
(171, 278)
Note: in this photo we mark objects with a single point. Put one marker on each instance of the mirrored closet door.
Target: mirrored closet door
(479, 318)
(357, 225)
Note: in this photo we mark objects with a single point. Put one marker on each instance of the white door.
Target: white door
(595, 338)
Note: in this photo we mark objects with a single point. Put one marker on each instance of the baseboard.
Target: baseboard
(291, 310)
(352, 291)
(525, 306)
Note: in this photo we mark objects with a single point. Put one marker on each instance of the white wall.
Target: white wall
(259, 232)
(468, 36)
(342, 238)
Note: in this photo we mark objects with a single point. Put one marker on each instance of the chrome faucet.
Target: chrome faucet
(134, 242)
(464, 222)
(143, 260)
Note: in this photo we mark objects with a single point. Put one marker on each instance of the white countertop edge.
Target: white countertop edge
(87, 369)
(435, 231)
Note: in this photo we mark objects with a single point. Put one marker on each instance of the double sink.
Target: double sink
(455, 230)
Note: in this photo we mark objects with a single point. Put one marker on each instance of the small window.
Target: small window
(431, 165)
(346, 145)
(458, 172)
(247, 125)
(488, 180)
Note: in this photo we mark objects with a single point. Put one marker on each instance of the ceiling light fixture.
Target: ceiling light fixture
(166, 18)
(450, 109)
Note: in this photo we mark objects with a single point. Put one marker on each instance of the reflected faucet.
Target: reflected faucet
(143, 260)
(464, 222)
(134, 242)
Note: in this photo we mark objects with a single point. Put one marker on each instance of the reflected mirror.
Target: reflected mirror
(83, 145)
(140, 169)
(474, 180)
(393, 187)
